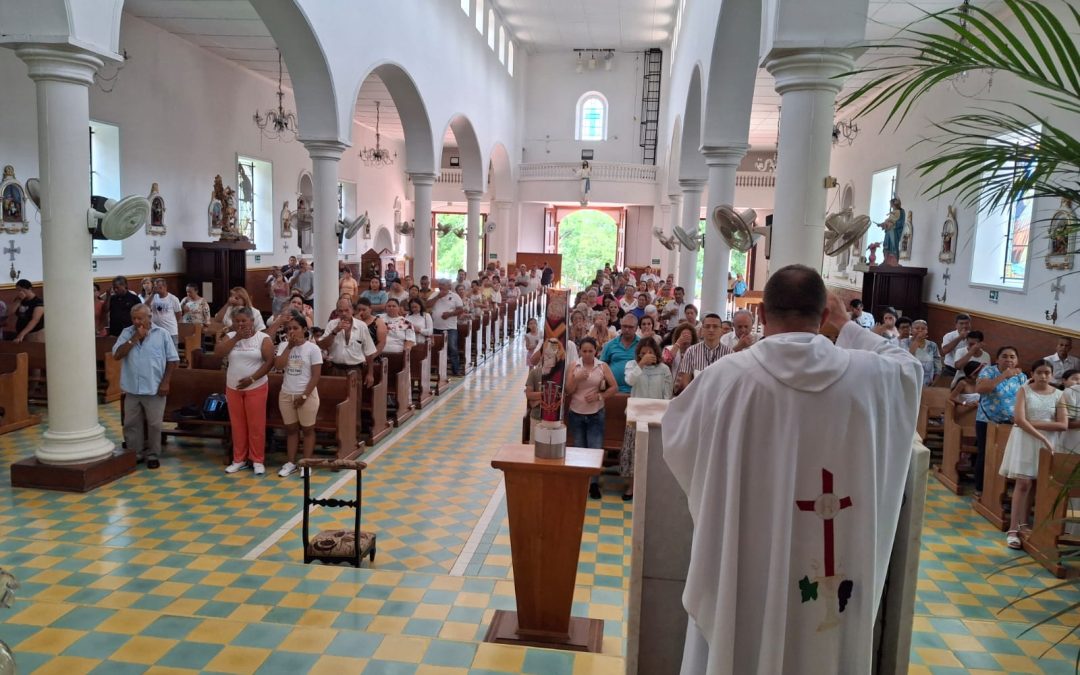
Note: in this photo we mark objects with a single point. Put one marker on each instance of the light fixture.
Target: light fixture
(580, 67)
(592, 61)
(769, 164)
(377, 156)
(844, 132)
(961, 82)
(277, 124)
(609, 60)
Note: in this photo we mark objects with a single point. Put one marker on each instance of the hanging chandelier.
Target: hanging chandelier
(768, 164)
(277, 124)
(377, 156)
(961, 82)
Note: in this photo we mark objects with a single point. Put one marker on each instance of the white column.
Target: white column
(325, 156)
(807, 82)
(674, 217)
(472, 233)
(422, 183)
(723, 163)
(691, 214)
(502, 233)
(61, 77)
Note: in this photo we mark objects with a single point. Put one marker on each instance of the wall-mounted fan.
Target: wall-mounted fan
(443, 229)
(109, 219)
(691, 242)
(670, 243)
(348, 230)
(33, 190)
(459, 233)
(489, 228)
(843, 230)
(405, 228)
(737, 229)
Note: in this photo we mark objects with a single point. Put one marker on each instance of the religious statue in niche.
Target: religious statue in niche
(156, 226)
(286, 221)
(1061, 234)
(894, 230)
(584, 174)
(949, 232)
(905, 236)
(872, 249)
(13, 218)
(305, 219)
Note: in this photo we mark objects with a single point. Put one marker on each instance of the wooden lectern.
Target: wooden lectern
(545, 501)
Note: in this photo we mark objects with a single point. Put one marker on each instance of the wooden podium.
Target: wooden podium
(545, 501)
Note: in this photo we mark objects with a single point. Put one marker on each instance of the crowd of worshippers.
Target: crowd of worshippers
(383, 315)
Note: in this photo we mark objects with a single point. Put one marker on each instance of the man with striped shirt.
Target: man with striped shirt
(702, 355)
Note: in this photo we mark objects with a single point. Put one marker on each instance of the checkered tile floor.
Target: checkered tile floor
(160, 572)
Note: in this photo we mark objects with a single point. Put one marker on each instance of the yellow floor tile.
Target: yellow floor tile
(50, 640)
(216, 631)
(454, 630)
(128, 621)
(425, 669)
(388, 625)
(41, 615)
(67, 665)
(337, 665)
(596, 664)
(308, 640)
(499, 657)
(428, 611)
(402, 648)
(144, 650)
(318, 618)
(238, 660)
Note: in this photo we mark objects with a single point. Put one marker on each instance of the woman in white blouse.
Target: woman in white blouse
(400, 336)
(419, 318)
(251, 355)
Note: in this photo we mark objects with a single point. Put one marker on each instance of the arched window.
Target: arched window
(592, 116)
(502, 44)
(480, 16)
(491, 29)
(510, 57)
(465, 6)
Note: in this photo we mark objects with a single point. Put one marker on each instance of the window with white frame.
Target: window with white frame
(491, 29)
(510, 57)
(882, 190)
(255, 202)
(502, 44)
(479, 16)
(105, 177)
(1003, 235)
(465, 6)
(592, 117)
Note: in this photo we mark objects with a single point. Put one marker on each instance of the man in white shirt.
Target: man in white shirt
(446, 306)
(348, 343)
(675, 311)
(864, 319)
(794, 513)
(952, 340)
(1061, 361)
(742, 337)
(972, 350)
(165, 310)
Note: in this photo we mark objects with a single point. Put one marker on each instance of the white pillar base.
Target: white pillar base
(74, 447)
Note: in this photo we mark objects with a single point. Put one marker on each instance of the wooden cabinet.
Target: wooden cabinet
(898, 287)
(216, 266)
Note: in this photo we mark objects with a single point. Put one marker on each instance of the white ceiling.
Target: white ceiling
(551, 25)
(232, 30)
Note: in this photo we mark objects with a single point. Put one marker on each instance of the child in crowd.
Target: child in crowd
(649, 378)
(532, 336)
(1038, 416)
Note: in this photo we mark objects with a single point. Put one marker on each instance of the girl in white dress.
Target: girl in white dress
(1038, 416)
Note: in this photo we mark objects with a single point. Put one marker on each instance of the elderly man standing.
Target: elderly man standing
(702, 355)
(446, 306)
(766, 592)
(348, 343)
(147, 356)
(741, 338)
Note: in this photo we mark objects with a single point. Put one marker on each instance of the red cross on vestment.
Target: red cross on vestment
(827, 506)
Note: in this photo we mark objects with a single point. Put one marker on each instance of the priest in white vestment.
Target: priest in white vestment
(793, 455)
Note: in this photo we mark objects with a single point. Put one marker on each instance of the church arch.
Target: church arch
(500, 171)
(729, 91)
(383, 239)
(415, 123)
(472, 164)
(691, 161)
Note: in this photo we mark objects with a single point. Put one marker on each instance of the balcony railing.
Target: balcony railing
(598, 171)
(754, 179)
(449, 176)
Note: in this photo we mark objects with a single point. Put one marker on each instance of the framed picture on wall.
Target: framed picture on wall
(455, 161)
(1062, 238)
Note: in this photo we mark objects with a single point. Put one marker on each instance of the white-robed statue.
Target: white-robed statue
(794, 455)
(585, 176)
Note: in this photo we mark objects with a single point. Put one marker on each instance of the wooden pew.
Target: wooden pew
(108, 370)
(959, 438)
(478, 340)
(400, 386)
(373, 405)
(190, 340)
(420, 370)
(35, 355)
(14, 382)
(1048, 532)
(932, 406)
(188, 390)
(614, 423)
(337, 420)
(439, 360)
(201, 360)
(995, 496)
(465, 344)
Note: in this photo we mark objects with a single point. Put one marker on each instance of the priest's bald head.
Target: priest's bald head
(795, 301)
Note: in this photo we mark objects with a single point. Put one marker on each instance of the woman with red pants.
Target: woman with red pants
(251, 354)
